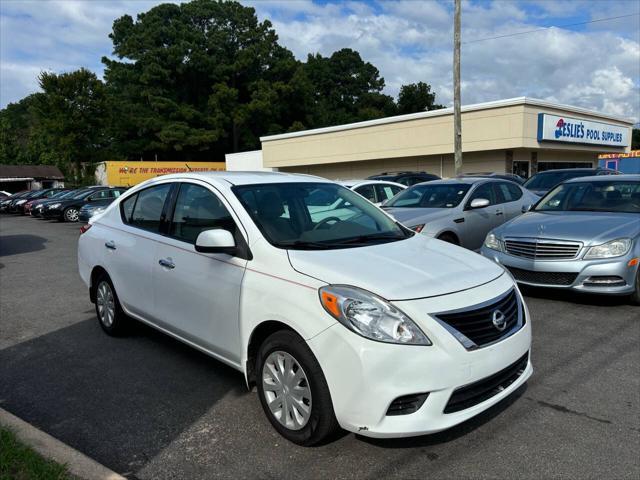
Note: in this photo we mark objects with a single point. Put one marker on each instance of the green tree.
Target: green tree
(345, 89)
(416, 97)
(70, 115)
(197, 80)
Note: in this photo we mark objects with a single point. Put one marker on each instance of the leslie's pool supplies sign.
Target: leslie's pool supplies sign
(557, 128)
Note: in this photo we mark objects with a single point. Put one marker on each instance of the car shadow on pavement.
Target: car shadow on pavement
(453, 433)
(16, 244)
(573, 296)
(118, 400)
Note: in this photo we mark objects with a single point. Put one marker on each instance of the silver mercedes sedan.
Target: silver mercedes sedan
(460, 210)
(583, 235)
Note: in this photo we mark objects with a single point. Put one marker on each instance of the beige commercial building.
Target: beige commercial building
(519, 135)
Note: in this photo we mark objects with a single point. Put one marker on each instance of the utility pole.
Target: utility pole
(457, 119)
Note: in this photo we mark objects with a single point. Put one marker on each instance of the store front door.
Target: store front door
(521, 168)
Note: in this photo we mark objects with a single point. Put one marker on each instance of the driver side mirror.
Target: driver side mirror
(479, 203)
(526, 208)
(216, 241)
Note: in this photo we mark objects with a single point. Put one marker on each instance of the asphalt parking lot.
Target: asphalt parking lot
(149, 407)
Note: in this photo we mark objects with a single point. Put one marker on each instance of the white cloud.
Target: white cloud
(595, 66)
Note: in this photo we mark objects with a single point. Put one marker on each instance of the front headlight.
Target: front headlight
(20, 202)
(493, 242)
(55, 205)
(615, 248)
(95, 211)
(370, 316)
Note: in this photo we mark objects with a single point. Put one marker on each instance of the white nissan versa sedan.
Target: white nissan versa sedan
(352, 322)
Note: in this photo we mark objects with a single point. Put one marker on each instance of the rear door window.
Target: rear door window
(147, 211)
(368, 192)
(385, 192)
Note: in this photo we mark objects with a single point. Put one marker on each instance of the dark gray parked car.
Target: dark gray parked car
(584, 235)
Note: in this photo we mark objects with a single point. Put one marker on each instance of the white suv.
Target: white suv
(352, 322)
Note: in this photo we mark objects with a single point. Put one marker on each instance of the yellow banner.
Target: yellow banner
(127, 174)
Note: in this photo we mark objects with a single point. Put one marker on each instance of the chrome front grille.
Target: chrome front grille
(542, 249)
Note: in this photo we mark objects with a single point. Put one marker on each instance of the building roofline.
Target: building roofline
(448, 111)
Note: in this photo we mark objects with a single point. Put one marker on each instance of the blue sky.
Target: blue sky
(595, 65)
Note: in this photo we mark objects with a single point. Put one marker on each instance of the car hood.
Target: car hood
(417, 267)
(410, 216)
(591, 228)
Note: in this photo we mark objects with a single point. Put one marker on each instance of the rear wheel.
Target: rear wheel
(71, 214)
(112, 318)
(293, 391)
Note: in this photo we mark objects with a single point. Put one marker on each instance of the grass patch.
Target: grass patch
(19, 462)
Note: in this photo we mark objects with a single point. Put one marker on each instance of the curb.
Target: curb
(76, 462)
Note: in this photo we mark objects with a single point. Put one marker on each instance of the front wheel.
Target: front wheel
(71, 214)
(293, 391)
(635, 296)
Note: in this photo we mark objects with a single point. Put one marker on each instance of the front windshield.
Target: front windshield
(81, 194)
(316, 216)
(546, 181)
(428, 195)
(59, 194)
(595, 196)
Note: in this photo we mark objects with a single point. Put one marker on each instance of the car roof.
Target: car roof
(465, 180)
(354, 182)
(555, 170)
(243, 178)
(606, 178)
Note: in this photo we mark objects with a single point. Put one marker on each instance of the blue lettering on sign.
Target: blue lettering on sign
(568, 129)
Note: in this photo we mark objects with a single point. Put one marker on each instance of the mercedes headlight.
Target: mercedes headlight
(370, 316)
(615, 248)
(55, 205)
(493, 242)
(20, 202)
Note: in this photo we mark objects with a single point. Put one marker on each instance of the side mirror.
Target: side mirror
(479, 203)
(216, 241)
(526, 208)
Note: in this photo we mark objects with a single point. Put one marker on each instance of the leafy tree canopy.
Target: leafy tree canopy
(192, 82)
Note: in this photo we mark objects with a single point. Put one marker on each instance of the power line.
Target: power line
(552, 26)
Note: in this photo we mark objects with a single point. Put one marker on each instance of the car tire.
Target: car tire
(299, 371)
(71, 214)
(110, 315)
(449, 238)
(635, 296)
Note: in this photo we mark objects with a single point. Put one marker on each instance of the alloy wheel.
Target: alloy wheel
(72, 215)
(106, 304)
(286, 390)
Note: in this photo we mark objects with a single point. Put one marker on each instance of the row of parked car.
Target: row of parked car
(343, 314)
(64, 204)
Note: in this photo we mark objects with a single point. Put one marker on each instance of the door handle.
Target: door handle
(167, 263)
(499, 212)
(111, 245)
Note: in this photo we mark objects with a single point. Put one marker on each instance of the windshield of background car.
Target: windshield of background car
(593, 197)
(546, 181)
(430, 196)
(81, 194)
(316, 216)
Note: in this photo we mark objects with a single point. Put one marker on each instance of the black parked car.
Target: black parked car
(543, 182)
(16, 205)
(25, 208)
(405, 178)
(68, 209)
(32, 206)
(5, 202)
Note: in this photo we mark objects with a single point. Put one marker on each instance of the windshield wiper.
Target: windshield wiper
(367, 239)
(302, 245)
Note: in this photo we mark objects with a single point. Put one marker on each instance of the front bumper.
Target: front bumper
(580, 273)
(52, 212)
(365, 377)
